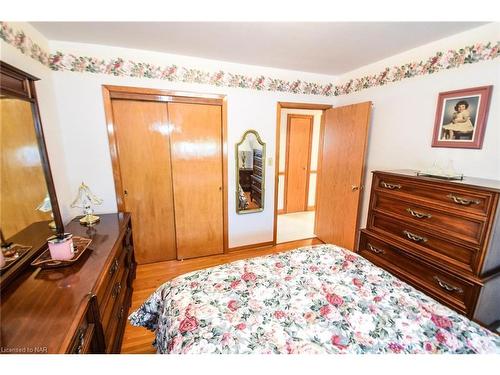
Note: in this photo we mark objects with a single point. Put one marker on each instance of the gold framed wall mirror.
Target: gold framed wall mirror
(28, 202)
(250, 155)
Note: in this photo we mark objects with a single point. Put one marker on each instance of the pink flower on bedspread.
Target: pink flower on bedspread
(350, 257)
(313, 268)
(279, 314)
(441, 321)
(249, 276)
(395, 347)
(325, 310)
(188, 324)
(334, 299)
(440, 337)
(235, 283)
(357, 282)
(377, 298)
(232, 305)
(241, 326)
(339, 341)
(279, 265)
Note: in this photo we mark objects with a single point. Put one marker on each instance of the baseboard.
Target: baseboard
(311, 208)
(281, 212)
(251, 246)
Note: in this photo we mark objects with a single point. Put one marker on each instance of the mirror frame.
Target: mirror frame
(237, 169)
(17, 84)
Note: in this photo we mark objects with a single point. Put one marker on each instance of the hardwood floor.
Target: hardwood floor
(150, 276)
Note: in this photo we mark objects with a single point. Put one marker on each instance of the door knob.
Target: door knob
(354, 187)
(125, 192)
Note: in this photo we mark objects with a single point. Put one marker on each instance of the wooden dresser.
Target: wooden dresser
(77, 309)
(256, 188)
(440, 236)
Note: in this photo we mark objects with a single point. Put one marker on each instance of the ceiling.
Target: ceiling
(328, 47)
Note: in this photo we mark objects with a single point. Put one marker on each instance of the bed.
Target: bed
(315, 299)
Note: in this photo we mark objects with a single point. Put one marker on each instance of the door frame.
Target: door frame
(110, 92)
(279, 107)
(287, 155)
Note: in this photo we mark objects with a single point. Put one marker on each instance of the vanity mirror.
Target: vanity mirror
(29, 208)
(250, 156)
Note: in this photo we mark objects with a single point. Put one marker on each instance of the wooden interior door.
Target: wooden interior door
(144, 155)
(298, 160)
(196, 145)
(341, 166)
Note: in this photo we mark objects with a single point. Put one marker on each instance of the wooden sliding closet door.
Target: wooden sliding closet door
(341, 167)
(298, 159)
(196, 145)
(141, 131)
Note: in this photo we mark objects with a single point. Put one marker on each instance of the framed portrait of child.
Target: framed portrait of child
(461, 117)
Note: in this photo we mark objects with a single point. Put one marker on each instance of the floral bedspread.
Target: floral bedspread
(319, 299)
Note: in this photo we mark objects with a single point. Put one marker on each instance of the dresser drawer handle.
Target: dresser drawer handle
(463, 201)
(114, 267)
(418, 215)
(448, 287)
(414, 237)
(119, 316)
(390, 186)
(374, 249)
(117, 289)
(81, 341)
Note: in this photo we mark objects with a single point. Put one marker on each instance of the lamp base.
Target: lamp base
(89, 220)
(52, 225)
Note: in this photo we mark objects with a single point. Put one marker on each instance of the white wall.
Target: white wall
(403, 114)
(81, 112)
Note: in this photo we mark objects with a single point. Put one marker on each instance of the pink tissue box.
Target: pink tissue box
(61, 247)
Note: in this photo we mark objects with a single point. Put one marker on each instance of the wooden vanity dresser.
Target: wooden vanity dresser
(441, 236)
(81, 308)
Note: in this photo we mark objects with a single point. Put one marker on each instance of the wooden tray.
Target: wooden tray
(13, 254)
(44, 260)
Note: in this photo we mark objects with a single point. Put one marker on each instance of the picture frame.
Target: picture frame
(461, 117)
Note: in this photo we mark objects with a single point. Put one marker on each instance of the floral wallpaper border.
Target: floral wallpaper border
(59, 61)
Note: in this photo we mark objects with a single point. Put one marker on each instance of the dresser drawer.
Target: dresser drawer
(82, 341)
(117, 262)
(446, 287)
(117, 317)
(119, 283)
(426, 244)
(456, 199)
(424, 215)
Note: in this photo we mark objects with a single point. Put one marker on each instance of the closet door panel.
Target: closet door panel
(144, 158)
(196, 149)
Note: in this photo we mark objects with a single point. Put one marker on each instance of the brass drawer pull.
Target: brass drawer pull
(463, 201)
(418, 215)
(390, 186)
(114, 267)
(448, 287)
(120, 314)
(117, 289)
(374, 249)
(414, 237)
(81, 341)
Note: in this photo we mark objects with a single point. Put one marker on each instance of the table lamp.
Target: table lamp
(85, 199)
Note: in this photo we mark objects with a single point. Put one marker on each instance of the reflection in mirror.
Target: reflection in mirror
(23, 190)
(250, 167)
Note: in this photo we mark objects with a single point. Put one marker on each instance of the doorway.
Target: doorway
(298, 136)
(334, 180)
